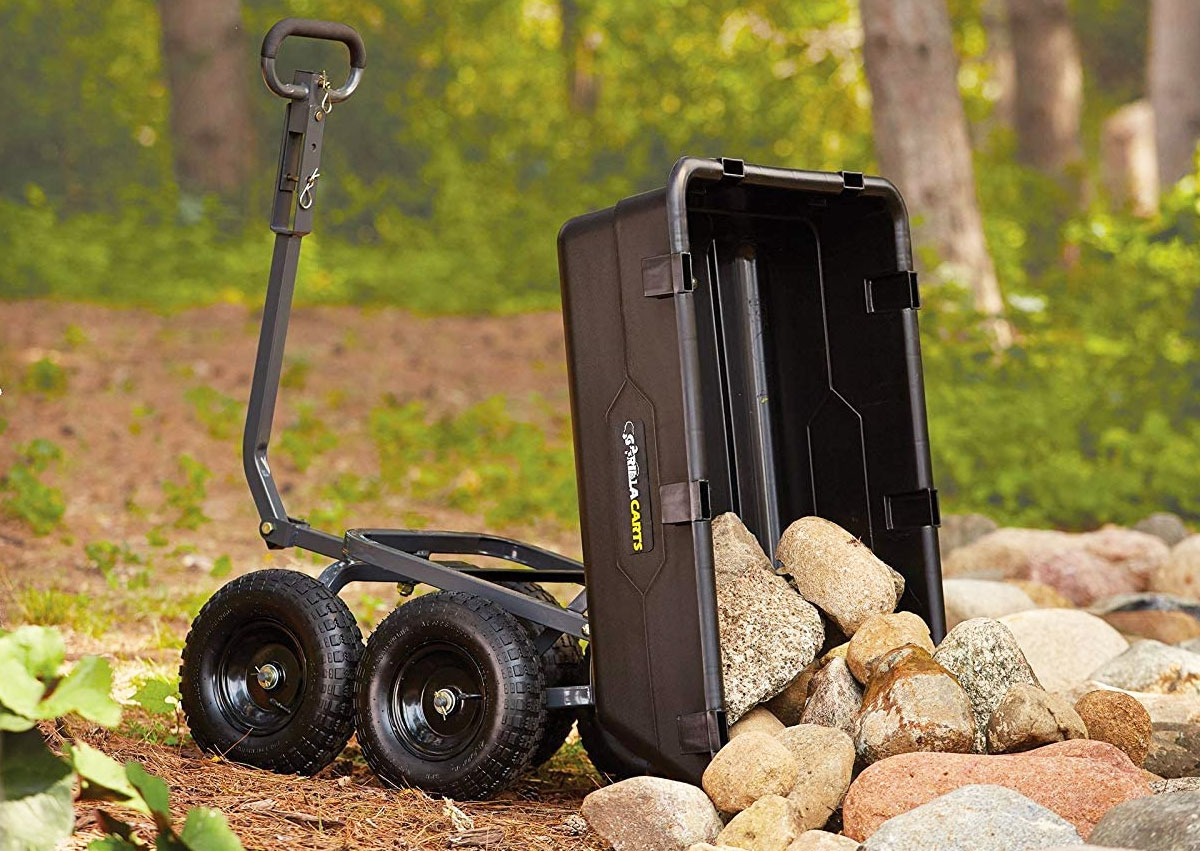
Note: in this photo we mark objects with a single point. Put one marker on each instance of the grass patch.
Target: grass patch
(220, 415)
(307, 437)
(187, 495)
(53, 607)
(44, 377)
(26, 497)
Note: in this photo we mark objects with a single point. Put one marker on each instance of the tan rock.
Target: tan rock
(879, 635)
(1167, 627)
(750, 767)
(981, 598)
(766, 825)
(912, 704)
(651, 812)
(838, 651)
(1029, 718)
(1181, 573)
(1137, 553)
(836, 572)
(1117, 718)
(789, 703)
(1063, 646)
(735, 548)
(826, 758)
(1004, 554)
(757, 720)
(1043, 595)
(819, 840)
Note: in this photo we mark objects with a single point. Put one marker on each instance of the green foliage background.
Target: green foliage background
(453, 168)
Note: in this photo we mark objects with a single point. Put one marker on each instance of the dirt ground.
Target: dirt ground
(123, 418)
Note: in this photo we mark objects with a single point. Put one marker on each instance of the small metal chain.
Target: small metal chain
(326, 104)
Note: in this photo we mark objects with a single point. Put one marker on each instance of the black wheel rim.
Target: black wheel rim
(260, 677)
(445, 669)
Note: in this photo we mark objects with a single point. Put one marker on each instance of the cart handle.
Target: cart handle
(308, 28)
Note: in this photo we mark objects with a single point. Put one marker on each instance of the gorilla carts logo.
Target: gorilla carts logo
(633, 442)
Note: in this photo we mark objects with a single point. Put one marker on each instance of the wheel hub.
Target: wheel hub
(438, 703)
(269, 676)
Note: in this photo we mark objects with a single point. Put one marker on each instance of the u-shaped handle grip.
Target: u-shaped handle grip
(308, 28)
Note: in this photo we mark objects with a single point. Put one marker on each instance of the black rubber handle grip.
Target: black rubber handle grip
(308, 28)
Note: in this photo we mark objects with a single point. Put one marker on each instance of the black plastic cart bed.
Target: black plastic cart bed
(743, 340)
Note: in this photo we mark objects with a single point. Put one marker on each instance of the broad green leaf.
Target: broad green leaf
(152, 695)
(102, 778)
(20, 691)
(153, 791)
(207, 830)
(113, 843)
(35, 794)
(40, 648)
(86, 691)
(14, 723)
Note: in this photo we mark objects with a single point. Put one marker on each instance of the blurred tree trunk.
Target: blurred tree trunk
(1173, 69)
(1003, 64)
(1049, 84)
(1128, 160)
(921, 137)
(579, 51)
(206, 62)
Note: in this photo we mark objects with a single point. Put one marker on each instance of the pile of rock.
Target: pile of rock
(1028, 729)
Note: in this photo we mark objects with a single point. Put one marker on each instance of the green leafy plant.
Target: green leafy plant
(26, 497)
(220, 415)
(187, 495)
(295, 372)
(109, 557)
(222, 566)
(36, 806)
(44, 377)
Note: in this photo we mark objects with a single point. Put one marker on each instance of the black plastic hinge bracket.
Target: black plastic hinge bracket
(912, 510)
(895, 291)
(852, 181)
(685, 502)
(667, 275)
(701, 732)
(733, 169)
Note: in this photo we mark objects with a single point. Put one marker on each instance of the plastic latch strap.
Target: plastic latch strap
(912, 510)
(895, 291)
(700, 732)
(685, 502)
(667, 275)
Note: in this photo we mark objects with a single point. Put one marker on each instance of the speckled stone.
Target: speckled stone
(912, 704)
(789, 703)
(766, 825)
(651, 812)
(1166, 822)
(986, 659)
(769, 634)
(974, 818)
(834, 697)
(836, 572)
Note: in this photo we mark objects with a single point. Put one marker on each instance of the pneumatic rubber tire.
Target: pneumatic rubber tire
(562, 665)
(470, 647)
(296, 625)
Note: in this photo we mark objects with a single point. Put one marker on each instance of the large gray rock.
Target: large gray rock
(1029, 718)
(974, 818)
(982, 598)
(984, 656)
(769, 634)
(1167, 822)
(750, 767)
(1154, 667)
(766, 825)
(912, 704)
(960, 530)
(837, 572)
(1181, 573)
(1175, 784)
(834, 697)
(826, 757)
(1063, 646)
(1167, 527)
(1174, 750)
(652, 812)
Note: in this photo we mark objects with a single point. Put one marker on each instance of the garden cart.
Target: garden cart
(743, 340)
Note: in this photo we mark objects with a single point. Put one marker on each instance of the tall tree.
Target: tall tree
(921, 137)
(1049, 84)
(1001, 61)
(203, 50)
(1173, 67)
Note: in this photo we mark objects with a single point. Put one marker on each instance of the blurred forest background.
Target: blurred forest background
(1045, 147)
